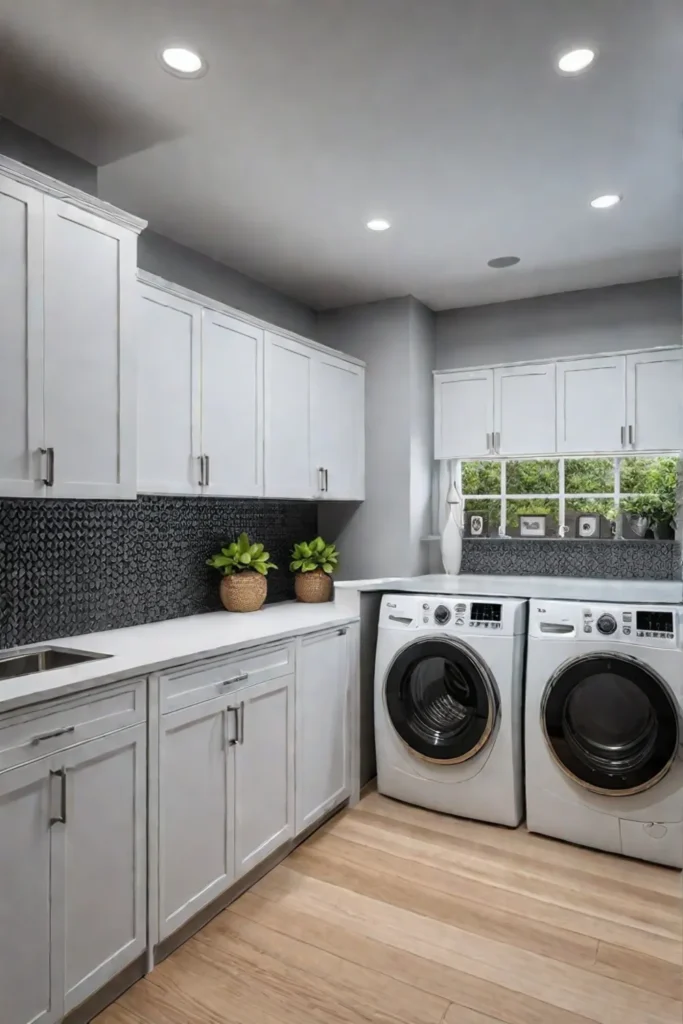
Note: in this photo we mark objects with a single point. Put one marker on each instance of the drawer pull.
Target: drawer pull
(52, 735)
(241, 678)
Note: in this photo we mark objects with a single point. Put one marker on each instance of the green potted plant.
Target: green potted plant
(244, 567)
(313, 563)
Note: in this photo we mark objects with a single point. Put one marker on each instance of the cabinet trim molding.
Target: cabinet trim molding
(160, 283)
(67, 193)
(557, 359)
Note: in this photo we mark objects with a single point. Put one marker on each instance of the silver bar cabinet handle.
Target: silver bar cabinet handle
(35, 740)
(327, 486)
(321, 479)
(496, 441)
(241, 724)
(201, 470)
(488, 443)
(241, 678)
(49, 478)
(61, 817)
(631, 434)
(623, 436)
(207, 463)
(235, 708)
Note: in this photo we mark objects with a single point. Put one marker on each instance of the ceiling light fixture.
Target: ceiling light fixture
(502, 262)
(604, 202)
(575, 61)
(378, 224)
(179, 60)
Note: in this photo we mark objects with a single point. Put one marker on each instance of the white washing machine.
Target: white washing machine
(448, 704)
(604, 693)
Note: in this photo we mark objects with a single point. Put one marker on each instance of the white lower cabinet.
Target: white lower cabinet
(322, 725)
(196, 810)
(264, 772)
(73, 834)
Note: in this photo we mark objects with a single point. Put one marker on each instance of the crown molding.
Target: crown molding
(26, 175)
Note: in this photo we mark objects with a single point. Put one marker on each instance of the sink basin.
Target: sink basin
(25, 661)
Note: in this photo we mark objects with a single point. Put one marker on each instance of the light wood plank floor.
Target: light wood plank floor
(394, 914)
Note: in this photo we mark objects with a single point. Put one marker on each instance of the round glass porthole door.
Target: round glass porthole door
(441, 700)
(611, 724)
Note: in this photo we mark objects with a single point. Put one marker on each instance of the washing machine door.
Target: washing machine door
(441, 700)
(611, 724)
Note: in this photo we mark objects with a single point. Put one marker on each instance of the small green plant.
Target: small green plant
(240, 556)
(314, 554)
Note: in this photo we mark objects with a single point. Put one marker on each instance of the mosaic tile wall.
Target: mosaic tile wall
(604, 559)
(70, 567)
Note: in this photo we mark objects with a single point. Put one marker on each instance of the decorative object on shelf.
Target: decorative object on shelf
(451, 538)
(588, 525)
(244, 567)
(532, 526)
(313, 563)
(477, 524)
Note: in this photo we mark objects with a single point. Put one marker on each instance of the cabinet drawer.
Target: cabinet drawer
(205, 680)
(27, 736)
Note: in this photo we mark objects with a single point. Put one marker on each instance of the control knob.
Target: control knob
(442, 615)
(607, 624)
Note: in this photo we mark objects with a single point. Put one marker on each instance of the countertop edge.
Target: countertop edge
(128, 668)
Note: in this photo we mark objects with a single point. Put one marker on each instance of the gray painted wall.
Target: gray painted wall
(381, 536)
(156, 253)
(176, 262)
(628, 316)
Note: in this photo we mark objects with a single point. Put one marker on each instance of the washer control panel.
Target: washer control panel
(657, 625)
(454, 615)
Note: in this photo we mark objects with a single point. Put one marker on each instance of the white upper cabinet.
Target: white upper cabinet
(168, 358)
(463, 414)
(591, 403)
(21, 340)
(338, 418)
(232, 406)
(524, 409)
(67, 331)
(289, 468)
(654, 397)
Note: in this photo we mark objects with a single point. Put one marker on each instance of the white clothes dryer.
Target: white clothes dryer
(448, 704)
(604, 696)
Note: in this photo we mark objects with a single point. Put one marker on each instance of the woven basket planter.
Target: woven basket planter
(243, 591)
(313, 587)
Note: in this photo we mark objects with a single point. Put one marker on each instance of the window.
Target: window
(632, 497)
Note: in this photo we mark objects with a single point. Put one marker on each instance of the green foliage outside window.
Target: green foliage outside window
(481, 478)
(533, 476)
(654, 481)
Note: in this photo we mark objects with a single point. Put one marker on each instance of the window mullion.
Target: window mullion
(502, 529)
(618, 531)
(561, 526)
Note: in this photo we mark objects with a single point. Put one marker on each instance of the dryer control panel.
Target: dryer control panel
(457, 615)
(650, 625)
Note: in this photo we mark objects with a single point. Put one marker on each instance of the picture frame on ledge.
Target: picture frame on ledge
(532, 526)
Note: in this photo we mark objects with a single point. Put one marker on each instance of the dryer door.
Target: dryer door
(611, 724)
(441, 700)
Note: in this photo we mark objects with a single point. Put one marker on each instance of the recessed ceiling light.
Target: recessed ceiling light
(178, 60)
(378, 224)
(501, 262)
(604, 202)
(576, 61)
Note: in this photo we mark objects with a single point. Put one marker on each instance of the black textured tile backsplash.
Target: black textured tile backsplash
(70, 567)
(603, 559)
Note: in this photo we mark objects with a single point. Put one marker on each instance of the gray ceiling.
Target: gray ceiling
(446, 116)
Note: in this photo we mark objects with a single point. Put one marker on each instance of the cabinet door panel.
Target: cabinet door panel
(169, 394)
(105, 861)
(591, 404)
(339, 426)
(196, 813)
(654, 387)
(264, 772)
(524, 402)
(289, 468)
(30, 921)
(90, 401)
(232, 405)
(322, 726)
(21, 340)
(463, 414)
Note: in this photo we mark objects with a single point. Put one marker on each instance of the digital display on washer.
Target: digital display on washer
(485, 612)
(655, 622)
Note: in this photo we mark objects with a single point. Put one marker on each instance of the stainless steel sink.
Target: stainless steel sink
(25, 661)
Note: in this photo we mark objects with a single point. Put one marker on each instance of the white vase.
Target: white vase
(451, 538)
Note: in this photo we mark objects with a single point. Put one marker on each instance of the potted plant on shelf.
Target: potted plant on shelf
(313, 563)
(244, 567)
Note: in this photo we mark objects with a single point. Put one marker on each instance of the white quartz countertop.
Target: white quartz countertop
(142, 649)
(548, 588)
